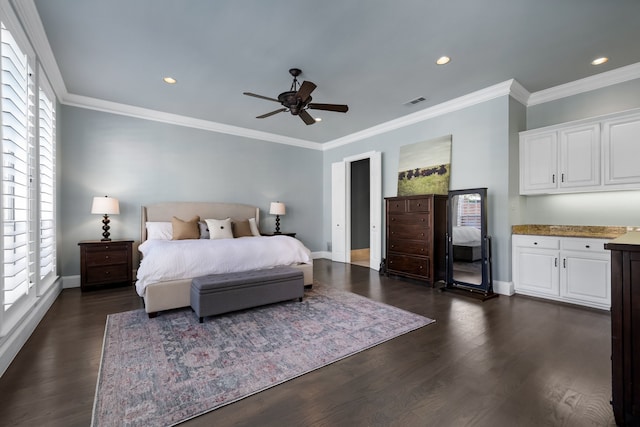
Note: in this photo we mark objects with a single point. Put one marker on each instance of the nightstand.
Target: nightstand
(279, 234)
(105, 263)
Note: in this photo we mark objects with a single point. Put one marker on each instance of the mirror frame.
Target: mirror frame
(486, 285)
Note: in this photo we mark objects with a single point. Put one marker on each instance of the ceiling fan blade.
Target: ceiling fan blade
(260, 96)
(280, 110)
(305, 90)
(306, 117)
(339, 108)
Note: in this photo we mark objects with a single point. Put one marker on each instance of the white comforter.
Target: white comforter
(165, 260)
(465, 235)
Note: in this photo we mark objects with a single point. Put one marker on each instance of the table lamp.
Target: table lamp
(105, 206)
(277, 209)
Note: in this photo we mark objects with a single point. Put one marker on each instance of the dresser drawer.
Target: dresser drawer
(409, 265)
(412, 247)
(396, 206)
(410, 232)
(419, 205)
(422, 219)
(106, 257)
(107, 274)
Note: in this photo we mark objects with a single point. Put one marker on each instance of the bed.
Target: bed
(168, 289)
(466, 244)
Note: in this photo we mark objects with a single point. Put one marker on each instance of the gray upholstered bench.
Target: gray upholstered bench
(222, 293)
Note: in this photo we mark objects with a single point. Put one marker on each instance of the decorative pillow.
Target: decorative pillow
(159, 230)
(204, 230)
(254, 227)
(219, 228)
(242, 229)
(183, 230)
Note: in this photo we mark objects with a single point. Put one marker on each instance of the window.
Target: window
(469, 210)
(27, 122)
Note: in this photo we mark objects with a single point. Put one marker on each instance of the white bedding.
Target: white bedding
(164, 260)
(465, 235)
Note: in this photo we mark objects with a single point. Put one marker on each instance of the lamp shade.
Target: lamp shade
(105, 206)
(277, 208)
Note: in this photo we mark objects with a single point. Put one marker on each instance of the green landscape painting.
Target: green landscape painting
(425, 167)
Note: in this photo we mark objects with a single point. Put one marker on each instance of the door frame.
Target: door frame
(375, 211)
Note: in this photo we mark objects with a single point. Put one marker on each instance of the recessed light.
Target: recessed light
(170, 80)
(599, 61)
(443, 60)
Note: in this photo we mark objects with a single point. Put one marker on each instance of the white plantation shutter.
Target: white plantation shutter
(17, 152)
(47, 159)
(27, 214)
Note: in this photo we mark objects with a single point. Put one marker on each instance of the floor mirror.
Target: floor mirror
(468, 254)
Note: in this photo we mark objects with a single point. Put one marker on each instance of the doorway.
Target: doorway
(360, 213)
(341, 206)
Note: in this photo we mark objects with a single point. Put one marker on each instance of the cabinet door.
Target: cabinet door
(586, 278)
(621, 150)
(580, 156)
(538, 162)
(536, 271)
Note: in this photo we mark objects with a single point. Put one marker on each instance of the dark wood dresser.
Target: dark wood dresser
(105, 263)
(625, 328)
(416, 228)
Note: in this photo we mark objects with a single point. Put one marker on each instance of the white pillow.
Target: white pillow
(219, 228)
(159, 230)
(254, 227)
(204, 230)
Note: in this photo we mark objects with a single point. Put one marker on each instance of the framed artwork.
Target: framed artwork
(425, 167)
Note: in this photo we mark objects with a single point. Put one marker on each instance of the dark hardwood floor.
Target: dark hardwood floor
(509, 361)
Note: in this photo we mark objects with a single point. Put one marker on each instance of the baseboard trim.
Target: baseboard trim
(503, 288)
(12, 343)
(70, 282)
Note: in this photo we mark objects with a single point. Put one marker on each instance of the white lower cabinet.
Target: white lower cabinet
(569, 269)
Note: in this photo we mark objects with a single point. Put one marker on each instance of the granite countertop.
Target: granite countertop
(592, 231)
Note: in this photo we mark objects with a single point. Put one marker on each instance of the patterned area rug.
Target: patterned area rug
(163, 371)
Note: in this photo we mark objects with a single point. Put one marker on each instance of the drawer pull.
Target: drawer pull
(535, 243)
(555, 262)
(587, 246)
(106, 257)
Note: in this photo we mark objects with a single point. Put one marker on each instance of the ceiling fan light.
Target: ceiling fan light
(169, 80)
(443, 60)
(599, 61)
(318, 119)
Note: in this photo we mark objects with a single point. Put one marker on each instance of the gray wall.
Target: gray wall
(479, 158)
(141, 161)
(611, 208)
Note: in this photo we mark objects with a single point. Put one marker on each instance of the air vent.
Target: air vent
(415, 101)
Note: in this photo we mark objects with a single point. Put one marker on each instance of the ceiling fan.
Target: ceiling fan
(297, 100)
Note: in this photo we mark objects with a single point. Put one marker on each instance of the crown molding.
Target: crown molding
(176, 119)
(483, 95)
(598, 81)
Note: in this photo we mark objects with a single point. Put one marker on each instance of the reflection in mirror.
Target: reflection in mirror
(467, 238)
(468, 245)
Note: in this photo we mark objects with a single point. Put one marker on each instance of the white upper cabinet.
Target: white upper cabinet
(580, 156)
(539, 162)
(621, 150)
(597, 154)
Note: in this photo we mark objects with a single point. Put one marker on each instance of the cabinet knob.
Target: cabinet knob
(587, 246)
(535, 243)
(106, 257)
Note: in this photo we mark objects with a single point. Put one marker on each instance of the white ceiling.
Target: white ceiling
(374, 55)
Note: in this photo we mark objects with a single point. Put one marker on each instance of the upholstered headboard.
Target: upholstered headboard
(187, 210)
